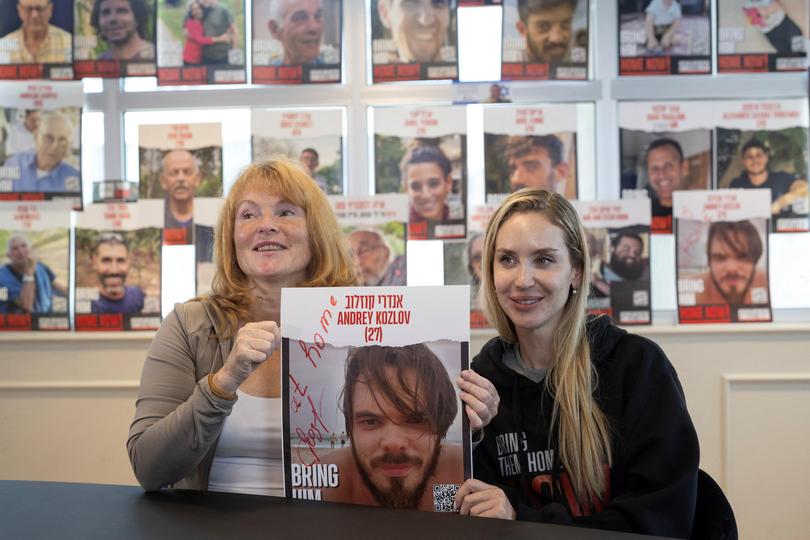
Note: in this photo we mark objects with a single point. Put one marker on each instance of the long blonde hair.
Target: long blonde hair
(330, 265)
(583, 431)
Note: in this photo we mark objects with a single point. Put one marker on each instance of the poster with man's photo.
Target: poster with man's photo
(665, 147)
(40, 140)
(114, 38)
(763, 144)
(721, 254)
(312, 137)
(530, 146)
(36, 39)
(206, 211)
(366, 366)
(422, 152)
(665, 37)
(201, 42)
(376, 232)
(619, 241)
(178, 163)
(762, 35)
(545, 40)
(462, 261)
(413, 41)
(34, 265)
(296, 41)
(118, 264)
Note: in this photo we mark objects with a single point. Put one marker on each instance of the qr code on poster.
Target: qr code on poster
(444, 497)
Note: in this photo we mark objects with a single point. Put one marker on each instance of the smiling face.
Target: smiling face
(116, 21)
(180, 176)
(532, 272)
(755, 161)
(299, 30)
(111, 263)
(427, 189)
(667, 172)
(395, 453)
(625, 257)
(732, 271)
(271, 240)
(418, 27)
(548, 33)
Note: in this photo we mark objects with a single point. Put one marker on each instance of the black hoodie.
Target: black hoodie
(653, 481)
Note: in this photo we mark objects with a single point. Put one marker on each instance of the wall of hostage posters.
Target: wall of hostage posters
(666, 37)
(721, 242)
(413, 40)
(763, 144)
(619, 241)
(114, 38)
(422, 152)
(34, 266)
(762, 35)
(201, 42)
(376, 231)
(666, 147)
(36, 39)
(118, 255)
(363, 367)
(545, 41)
(40, 150)
(313, 137)
(178, 163)
(296, 42)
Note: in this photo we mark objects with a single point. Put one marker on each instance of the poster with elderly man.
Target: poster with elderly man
(40, 126)
(376, 232)
(371, 412)
(36, 40)
(114, 38)
(296, 41)
(178, 162)
(34, 265)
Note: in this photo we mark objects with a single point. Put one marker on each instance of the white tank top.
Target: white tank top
(248, 458)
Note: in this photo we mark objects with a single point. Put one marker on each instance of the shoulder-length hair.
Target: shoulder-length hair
(330, 265)
(583, 431)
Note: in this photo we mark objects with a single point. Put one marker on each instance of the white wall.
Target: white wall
(66, 403)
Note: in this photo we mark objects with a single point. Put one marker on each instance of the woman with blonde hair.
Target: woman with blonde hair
(591, 428)
(208, 414)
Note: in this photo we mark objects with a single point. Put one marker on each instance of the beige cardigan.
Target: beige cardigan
(178, 420)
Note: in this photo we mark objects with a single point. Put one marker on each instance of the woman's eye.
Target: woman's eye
(545, 260)
(506, 259)
(286, 213)
(248, 214)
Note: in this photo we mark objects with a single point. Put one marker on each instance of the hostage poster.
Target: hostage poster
(721, 253)
(763, 144)
(296, 42)
(376, 232)
(619, 241)
(371, 412)
(666, 147)
(178, 163)
(545, 40)
(41, 150)
(413, 41)
(530, 146)
(114, 38)
(36, 39)
(35, 265)
(665, 37)
(312, 137)
(118, 265)
(762, 35)
(422, 152)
